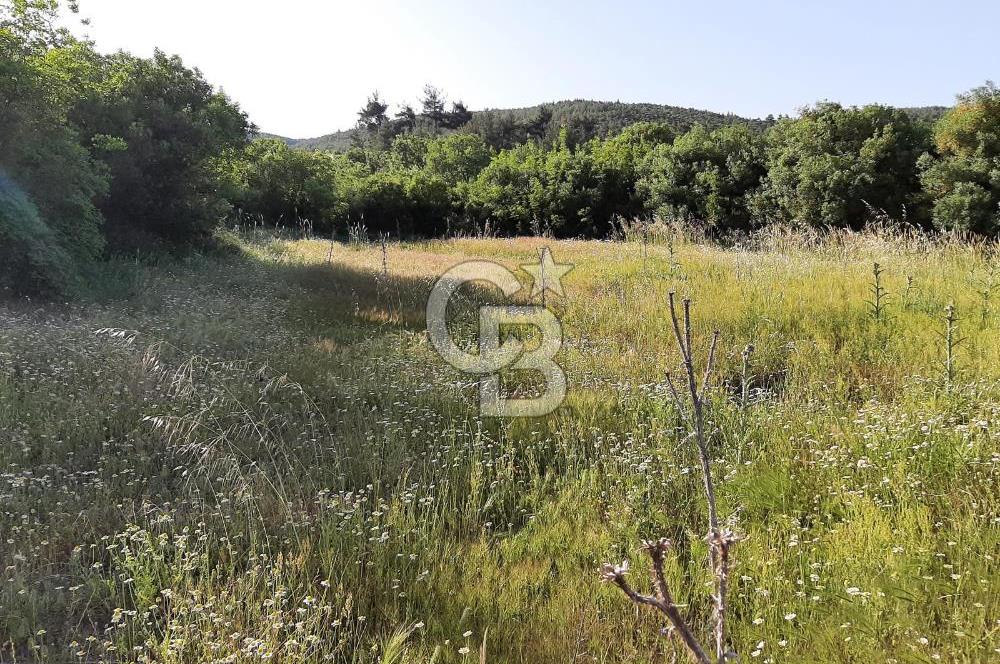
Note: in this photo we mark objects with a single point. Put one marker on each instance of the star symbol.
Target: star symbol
(547, 274)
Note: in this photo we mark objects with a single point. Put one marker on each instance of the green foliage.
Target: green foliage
(530, 189)
(619, 161)
(41, 76)
(585, 120)
(158, 126)
(831, 167)
(834, 165)
(705, 176)
(419, 186)
(32, 261)
(964, 183)
(107, 150)
(572, 168)
(275, 184)
(393, 193)
(457, 157)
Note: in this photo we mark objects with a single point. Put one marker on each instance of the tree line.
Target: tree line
(103, 154)
(830, 167)
(585, 119)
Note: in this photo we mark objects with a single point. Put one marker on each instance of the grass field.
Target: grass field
(257, 456)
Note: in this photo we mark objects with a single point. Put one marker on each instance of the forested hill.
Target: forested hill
(613, 116)
(587, 119)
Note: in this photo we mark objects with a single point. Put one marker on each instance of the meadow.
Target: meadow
(254, 454)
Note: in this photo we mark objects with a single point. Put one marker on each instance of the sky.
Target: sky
(303, 68)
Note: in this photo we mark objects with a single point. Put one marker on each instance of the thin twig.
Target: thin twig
(719, 541)
(677, 401)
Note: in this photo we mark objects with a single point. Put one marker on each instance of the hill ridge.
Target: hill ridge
(606, 117)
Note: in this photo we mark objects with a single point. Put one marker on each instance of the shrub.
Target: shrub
(277, 184)
(964, 182)
(529, 189)
(157, 125)
(49, 225)
(31, 260)
(705, 176)
(832, 165)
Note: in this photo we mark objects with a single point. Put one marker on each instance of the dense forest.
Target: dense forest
(102, 154)
(588, 119)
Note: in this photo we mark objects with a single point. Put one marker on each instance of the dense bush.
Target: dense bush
(833, 165)
(32, 260)
(397, 192)
(100, 150)
(531, 189)
(964, 183)
(273, 183)
(41, 152)
(619, 161)
(158, 126)
(705, 176)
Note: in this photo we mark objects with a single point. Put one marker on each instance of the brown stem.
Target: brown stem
(718, 541)
(663, 602)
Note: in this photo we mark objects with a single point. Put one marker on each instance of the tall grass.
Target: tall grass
(260, 458)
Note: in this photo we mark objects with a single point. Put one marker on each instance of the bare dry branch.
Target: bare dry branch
(662, 601)
(719, 541)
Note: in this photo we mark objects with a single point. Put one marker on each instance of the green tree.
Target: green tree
(457, 157)
(409, 151)
(964, 182)
(832, 165)
(433, 107)
(272, 182)
(405, 119)
(372, 115)
(32, 260)
(158, 127)
(705, 176)
(458, 116)
(53, 180)
(529, 189)
(619, 161)
(537, 126)
(374, 129)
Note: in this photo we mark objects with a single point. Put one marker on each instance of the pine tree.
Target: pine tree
(372, 115)
(432, 104)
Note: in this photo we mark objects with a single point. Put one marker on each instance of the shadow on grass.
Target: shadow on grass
(348, 305)
(351, 305)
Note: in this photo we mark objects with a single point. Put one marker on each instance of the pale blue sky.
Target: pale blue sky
(302, 68)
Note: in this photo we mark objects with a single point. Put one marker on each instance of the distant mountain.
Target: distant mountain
(613, 116)
(599, 118)
(338, 141)
(265, 135)
(596, 118)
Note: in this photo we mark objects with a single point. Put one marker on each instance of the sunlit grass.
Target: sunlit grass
(269, 462)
